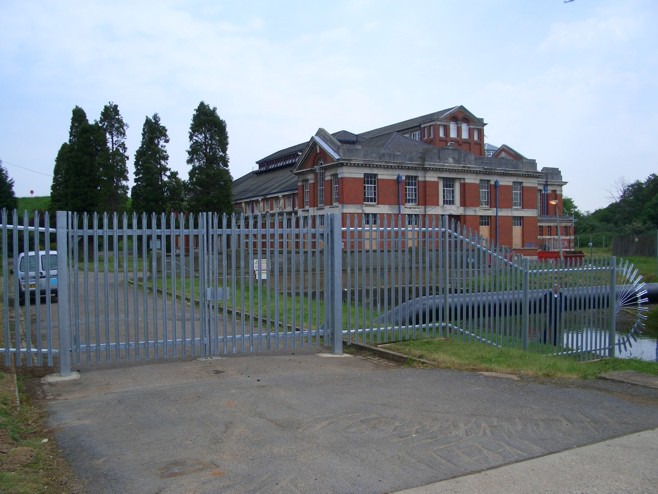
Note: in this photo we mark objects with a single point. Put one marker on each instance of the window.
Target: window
(485, 193)
(413, 220)
(306, 197)
(517, 194)
(449, 191)
(541, 231)
(549, 231)
(411, 189)
(464, 130)
(485, 220)
(334, 188)
(428, 132)
(476, 134)
(415, 135)
(370, 188)
(442, 130)
(320, 177)
(370, 219)
(517, 221)
(453, 129)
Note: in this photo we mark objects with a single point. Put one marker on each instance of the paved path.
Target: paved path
(307, 423)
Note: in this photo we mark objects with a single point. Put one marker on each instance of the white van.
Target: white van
(32, 271)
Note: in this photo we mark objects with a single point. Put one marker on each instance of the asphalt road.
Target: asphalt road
(307, 423)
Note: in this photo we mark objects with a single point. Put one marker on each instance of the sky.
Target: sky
(572, 85)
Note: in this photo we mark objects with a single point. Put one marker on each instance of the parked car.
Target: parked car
(32, 271)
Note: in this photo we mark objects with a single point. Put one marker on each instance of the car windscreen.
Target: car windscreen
(49, 262)
(31, 264)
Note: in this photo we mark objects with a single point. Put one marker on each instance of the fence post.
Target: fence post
(525, 320)
(334, 309)
(445, 320)
(613, 306)
(63, 294)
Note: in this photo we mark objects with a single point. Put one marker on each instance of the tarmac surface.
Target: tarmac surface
(310, 422)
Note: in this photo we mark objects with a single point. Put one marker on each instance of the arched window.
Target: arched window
(453, 129)
(465, 129)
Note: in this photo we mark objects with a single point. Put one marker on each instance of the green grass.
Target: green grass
(29, 461)
(472, 356)
(32, 204)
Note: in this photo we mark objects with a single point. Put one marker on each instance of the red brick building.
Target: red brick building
(425, 167)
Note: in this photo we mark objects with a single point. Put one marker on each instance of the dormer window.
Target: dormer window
(415, 135)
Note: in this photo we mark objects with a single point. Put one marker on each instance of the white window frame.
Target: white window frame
(370, 188)
(413, 220)
(517, 221)
(485, 193)
(485, 220)
(517, 194)
(370, 219)
(306, 186)
(465, 131)
(453, 129)
(411, 189)
(320, 180)
(442, 130)
(476, 134)
(334, 189)
(448, 192)
(415, 135)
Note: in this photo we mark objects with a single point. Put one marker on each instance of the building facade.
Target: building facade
(426, 167)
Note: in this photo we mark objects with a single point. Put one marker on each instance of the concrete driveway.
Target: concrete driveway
(306, 422)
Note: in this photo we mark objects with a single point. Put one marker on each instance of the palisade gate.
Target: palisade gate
(145, 287)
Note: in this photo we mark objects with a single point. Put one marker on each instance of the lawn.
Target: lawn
(473, 356)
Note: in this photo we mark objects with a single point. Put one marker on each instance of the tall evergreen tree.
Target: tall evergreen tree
(175, 192)
(59, 191)
(76, 174)
(7, 197)
(149, 194)
(209, 187)
(113, 165)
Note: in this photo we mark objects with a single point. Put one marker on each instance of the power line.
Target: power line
(3, 162)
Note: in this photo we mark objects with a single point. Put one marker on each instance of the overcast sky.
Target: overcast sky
(572, 85)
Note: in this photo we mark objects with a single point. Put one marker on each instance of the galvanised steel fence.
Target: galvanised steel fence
(407, 280)
(144, 287)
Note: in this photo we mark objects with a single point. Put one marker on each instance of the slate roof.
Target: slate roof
(267, 183)
(418, 121)
(277, 176)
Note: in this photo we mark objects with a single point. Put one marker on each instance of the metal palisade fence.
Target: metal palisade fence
(143, 287)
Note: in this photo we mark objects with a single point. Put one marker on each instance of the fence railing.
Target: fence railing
(141, 287)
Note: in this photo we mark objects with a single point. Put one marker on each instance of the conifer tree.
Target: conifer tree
(7, 197)
(209, 187)
(113, 165)
(149, 194)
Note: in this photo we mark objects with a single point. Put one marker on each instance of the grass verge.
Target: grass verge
(29, 459)
(472, 356)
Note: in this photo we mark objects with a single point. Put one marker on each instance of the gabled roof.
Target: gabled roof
(385, 148)
(508, 152)
(290, 155)
(439, 116)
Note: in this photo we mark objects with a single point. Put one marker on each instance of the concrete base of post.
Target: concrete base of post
(54, 378)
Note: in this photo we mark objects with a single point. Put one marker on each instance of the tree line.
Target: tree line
(634, 212)
(91, 168)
